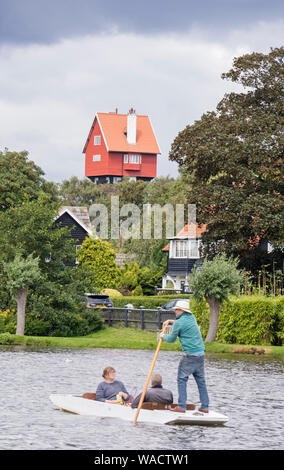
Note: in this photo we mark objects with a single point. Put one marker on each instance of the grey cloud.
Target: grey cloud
(41, 21)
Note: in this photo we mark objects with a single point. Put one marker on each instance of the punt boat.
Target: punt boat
(153, 413)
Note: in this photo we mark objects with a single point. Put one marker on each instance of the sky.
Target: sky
(62, 61)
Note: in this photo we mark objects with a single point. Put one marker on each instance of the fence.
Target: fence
(167, 290)
(146, 319)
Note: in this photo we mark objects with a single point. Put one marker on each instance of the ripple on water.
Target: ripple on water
(248, 389)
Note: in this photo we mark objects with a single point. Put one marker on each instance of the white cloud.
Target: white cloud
(50, 93)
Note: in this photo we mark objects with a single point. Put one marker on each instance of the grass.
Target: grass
(128, 338)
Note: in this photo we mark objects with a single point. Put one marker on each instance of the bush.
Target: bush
(6, 338)
(246, 320)
(138, 291)
(52, 323)
(145, 301)
(112, 292)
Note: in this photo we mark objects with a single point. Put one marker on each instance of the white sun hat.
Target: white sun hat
(183, 305)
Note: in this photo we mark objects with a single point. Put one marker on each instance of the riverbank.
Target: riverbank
(128, 338)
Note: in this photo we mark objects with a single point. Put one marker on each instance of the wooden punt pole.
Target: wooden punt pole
(149, 376)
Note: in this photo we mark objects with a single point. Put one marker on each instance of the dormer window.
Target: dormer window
(97, 140)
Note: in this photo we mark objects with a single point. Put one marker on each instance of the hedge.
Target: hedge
(244, 320)
(146, 301)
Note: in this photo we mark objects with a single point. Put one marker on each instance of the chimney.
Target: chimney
(131, 126)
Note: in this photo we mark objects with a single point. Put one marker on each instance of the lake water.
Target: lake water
(249, 389)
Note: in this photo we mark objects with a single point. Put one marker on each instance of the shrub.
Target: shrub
(246, 320)
(148, 302)
(112, 292)
(6, 338)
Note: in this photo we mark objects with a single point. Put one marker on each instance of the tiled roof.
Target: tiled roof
(114, 127)
(189, 230)
(80, 213)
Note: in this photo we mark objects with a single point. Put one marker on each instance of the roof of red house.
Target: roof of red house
(114, 126)
(189, 230)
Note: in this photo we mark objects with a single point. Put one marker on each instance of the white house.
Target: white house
(183, 253)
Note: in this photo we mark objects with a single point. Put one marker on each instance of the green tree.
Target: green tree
(99, 257)
(21, 273)
(76, 192)
(215, 281)
(235, 155)
(21, 180)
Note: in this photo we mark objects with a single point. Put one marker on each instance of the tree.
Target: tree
(75, 192)
(215, 281)
(99, 257)
(21, 273)
(235, 155)
(21, 180)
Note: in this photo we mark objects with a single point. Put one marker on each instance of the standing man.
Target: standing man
(192, 362)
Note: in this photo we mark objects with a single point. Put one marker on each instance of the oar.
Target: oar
(149, 376)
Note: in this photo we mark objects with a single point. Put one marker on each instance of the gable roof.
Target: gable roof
(79, 214)
(113, 127)
(188, 231)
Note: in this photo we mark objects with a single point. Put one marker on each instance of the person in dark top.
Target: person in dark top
(111, 390)
(156, 393)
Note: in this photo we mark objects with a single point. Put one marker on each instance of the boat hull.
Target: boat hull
(82, 406)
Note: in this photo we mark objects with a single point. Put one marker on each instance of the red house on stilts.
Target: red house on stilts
(120, 145)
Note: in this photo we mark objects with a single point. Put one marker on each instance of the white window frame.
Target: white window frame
(97, 140)
(125, 158)
(96, 158)
(134, 159)
(185, 248)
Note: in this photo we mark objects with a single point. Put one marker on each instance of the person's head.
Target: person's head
(156, 380)
(182, 306)
(109, 373)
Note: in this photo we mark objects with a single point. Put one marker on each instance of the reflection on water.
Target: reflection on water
(246, 388)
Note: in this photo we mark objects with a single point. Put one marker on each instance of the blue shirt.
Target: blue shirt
(186, 329)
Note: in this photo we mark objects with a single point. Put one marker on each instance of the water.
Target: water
(248, 389)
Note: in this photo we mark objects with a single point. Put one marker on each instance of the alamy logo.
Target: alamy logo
(129, 221)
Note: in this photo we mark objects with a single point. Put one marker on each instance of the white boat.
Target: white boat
(147, 414)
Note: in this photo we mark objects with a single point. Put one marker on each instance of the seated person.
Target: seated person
(108, 390)
(156, 393)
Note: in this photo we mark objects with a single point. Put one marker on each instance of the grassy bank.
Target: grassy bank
(127, 338)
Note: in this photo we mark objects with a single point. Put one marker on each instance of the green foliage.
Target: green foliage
(218, 278)
(46, 321)
(138, 291)
(29, 229)
(149, 302)
(99, 257)
(6, 338)
(245, 320)
(21, 180)
(252, 320)
(235, 155)
(129, 277)
(22, 272)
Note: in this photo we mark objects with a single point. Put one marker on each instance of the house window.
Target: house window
(185, 248)
(134, 158)
(96, 158)
(181, 248)
(97, 140)
(125, 158)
